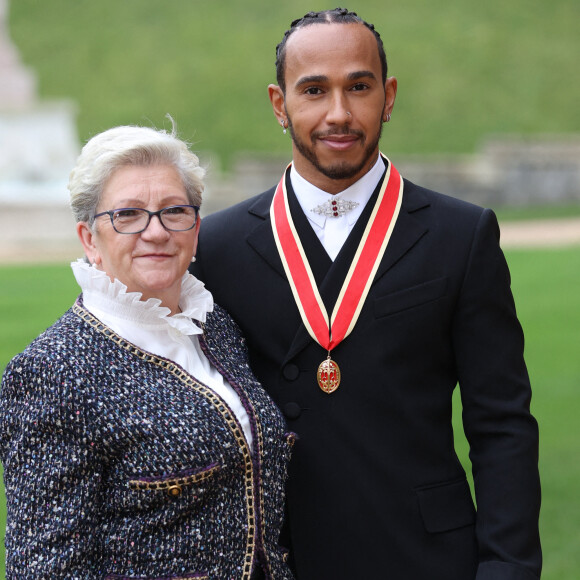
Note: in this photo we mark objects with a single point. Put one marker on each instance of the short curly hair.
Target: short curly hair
(337, 15)
(124, 146)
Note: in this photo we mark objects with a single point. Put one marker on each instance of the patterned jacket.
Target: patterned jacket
(119, 464)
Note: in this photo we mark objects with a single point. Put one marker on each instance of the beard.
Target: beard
(337, 170)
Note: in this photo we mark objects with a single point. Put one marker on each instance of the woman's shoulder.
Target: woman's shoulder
(38, 379)
(49, 342)
(219, 321)
(57, 350)
(56, 338)
(223, 336)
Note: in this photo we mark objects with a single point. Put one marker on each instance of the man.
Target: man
(365, 299)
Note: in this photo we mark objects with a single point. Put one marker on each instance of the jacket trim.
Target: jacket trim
(216, 401)
(258, 438)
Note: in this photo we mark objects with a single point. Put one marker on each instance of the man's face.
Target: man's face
(335, 102)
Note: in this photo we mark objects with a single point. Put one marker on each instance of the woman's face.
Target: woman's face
(153, 261)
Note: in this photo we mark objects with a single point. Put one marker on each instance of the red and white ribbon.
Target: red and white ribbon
(362, 271)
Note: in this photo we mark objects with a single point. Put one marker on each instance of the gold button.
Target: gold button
(174, 490)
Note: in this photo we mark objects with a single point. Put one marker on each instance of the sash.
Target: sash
(356, 286)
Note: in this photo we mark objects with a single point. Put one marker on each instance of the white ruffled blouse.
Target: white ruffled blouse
(151, 326)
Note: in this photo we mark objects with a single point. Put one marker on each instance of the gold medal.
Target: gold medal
(328, 375)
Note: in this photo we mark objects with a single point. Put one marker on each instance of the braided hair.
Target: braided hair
(337, 15)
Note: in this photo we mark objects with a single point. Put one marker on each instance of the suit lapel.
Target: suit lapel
(261, 238)
(411, 226)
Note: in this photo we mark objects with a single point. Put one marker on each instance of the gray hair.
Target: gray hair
(118, 147)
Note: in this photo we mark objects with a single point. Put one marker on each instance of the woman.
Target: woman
(135, 440)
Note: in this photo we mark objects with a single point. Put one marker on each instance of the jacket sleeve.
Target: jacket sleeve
(51, 473)
(496, 394)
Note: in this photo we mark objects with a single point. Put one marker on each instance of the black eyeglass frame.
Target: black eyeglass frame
(111, 213)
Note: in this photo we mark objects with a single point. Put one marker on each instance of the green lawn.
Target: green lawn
(545, 283)
(466, 69)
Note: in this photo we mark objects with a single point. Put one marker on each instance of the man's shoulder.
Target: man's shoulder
(445, 213)
(447, 217)
(418, 196)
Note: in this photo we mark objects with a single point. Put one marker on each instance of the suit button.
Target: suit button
(174, 490)
(290, 372)
(292, 410)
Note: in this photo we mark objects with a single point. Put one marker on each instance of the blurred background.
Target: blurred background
(487, 110)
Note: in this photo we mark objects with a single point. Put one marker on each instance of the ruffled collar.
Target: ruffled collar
(112, 297)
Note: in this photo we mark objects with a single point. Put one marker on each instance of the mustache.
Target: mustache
(336, 132)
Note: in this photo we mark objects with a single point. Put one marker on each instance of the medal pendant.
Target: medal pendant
(328, 375)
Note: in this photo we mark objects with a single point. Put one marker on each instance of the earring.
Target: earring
(388, 117)
(283, 123)
(193, 259)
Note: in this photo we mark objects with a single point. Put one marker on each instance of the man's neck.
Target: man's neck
(328, 184)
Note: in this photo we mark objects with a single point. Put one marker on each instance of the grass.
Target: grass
(540, 212)
(545, 284)
(31, 299)
(466, 69)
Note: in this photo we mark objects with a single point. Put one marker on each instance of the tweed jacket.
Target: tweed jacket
(119, 464)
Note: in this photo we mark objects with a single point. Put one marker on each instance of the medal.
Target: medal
(329, 333)
(328, 375)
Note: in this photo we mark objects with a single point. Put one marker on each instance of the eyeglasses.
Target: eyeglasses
(134, 220)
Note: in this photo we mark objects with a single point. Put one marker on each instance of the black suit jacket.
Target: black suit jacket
(375, 488)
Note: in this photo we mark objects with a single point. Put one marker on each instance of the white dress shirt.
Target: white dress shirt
(333, 231)
(152, 328)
